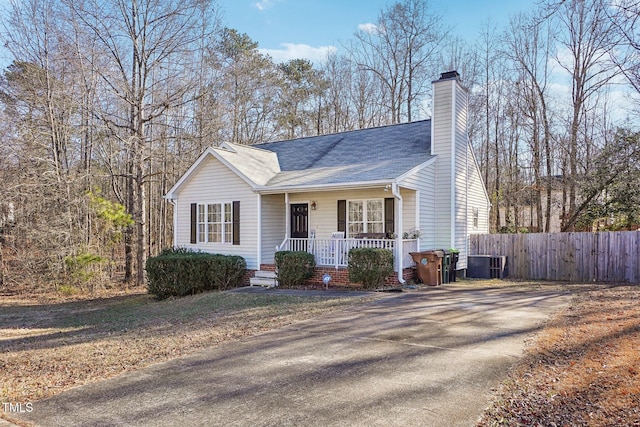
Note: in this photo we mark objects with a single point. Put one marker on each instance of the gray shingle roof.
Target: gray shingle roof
(373, 154)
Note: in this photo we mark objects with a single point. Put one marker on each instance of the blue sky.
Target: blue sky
(289, 29)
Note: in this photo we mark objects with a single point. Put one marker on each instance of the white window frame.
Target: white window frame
(206, 224)
(476, 217)
(365, 215)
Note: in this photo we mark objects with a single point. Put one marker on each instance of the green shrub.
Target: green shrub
(226, 271)
(183, 272)
(370, 266)
(294, 267)
(68, 290)
(82, 268)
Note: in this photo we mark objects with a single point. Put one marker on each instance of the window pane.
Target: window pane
(375, 227)
(374, 210)
(356, 217)
(214, 213)
(356, 211)
(215, 234)
(228, 223)
(201, 223)
(355, 228)
(227, 212)
(375, 216)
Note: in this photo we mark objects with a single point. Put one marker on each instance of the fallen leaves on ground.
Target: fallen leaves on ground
(583, 369)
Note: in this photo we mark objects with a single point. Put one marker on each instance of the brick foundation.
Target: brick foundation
(340, 276)
(248, 274)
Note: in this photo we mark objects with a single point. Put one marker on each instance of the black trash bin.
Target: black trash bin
(455, 255)
(446, 265)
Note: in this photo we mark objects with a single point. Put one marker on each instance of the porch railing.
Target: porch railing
(335, 252)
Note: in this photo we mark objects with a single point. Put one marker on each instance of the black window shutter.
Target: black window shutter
(342, 216)
(194, 222)
(389, 219)
(236, 222)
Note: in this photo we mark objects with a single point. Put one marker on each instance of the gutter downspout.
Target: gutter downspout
(399, 248)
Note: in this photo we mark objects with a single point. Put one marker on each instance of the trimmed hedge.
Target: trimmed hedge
(370, 266)
(294, 267)
(184, 272)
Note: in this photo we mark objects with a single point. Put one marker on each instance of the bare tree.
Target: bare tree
(400, 51)
(528, 46)
(586, 37)
(625, 15)
(38, 98)
(148, 50)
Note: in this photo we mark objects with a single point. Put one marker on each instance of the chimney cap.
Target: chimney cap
(450, 75)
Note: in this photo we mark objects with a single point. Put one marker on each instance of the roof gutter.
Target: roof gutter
(322, 187)
(395, 190)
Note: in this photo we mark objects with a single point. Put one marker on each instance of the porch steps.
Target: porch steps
(264, 278)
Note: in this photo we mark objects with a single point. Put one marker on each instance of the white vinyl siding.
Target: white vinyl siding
(443, 147)
(424, 182)
(213, 182)
(274, 225)
(461, 161)
(459, 188)
(408, 210)
(478, 198)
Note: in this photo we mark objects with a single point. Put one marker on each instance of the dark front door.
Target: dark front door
(300, 220)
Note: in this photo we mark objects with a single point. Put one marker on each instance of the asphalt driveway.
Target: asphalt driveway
(420, 358)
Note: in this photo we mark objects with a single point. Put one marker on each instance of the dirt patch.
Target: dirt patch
(583, 369)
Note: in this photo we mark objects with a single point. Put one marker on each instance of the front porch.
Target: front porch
(334, 252)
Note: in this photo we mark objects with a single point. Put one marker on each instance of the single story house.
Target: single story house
(405, 187)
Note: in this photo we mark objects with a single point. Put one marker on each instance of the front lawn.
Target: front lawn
(49, 347)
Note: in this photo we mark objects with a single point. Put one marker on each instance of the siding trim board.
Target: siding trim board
(453, 170)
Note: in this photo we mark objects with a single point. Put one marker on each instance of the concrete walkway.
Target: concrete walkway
(422, 358)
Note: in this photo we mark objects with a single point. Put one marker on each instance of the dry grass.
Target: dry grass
(52, 345)
(583, 369)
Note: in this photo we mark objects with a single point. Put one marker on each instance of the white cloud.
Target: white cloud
(263, 4)
(368, 28)
(299, 51)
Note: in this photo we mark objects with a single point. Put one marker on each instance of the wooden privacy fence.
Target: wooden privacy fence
(577, 257)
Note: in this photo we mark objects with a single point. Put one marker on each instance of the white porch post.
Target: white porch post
(259, 229)
(287, 223)
(174, 202)
(398, 228)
